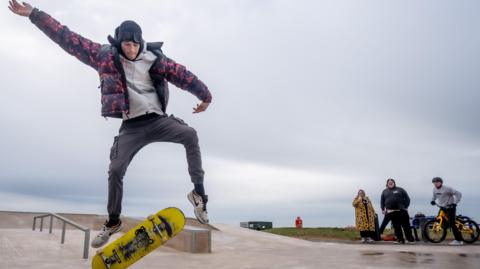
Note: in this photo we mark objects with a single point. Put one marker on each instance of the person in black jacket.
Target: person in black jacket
(394, 204)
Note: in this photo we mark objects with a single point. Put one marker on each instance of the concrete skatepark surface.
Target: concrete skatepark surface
(235, 247)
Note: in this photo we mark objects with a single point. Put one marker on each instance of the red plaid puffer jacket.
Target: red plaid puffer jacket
(106, 60)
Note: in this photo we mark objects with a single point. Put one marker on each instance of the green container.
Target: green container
(257, 225)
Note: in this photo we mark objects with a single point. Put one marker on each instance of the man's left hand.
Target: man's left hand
(200, 107)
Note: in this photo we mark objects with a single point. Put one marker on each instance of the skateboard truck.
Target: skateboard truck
(155, 227)
(166, 225)
(162, 226)
(110, 260)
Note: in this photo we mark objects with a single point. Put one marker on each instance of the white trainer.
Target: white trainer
(199, 205)
(104, 235)
(456, 243)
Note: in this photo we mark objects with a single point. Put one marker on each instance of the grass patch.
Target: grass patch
(326, 233)
(317, 233)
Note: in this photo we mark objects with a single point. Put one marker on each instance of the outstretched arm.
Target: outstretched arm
(82, 48)
(179, 76)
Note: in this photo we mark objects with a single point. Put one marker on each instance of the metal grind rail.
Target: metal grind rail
(65, 221)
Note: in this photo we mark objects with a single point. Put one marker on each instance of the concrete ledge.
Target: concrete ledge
(193, 240)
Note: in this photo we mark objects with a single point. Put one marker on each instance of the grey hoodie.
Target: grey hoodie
(141, 91)
(446, 196)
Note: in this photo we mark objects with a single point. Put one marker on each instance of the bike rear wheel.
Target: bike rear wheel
(470, 231)
(434, 232)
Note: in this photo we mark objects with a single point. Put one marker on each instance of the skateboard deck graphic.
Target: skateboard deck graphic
(153, 232)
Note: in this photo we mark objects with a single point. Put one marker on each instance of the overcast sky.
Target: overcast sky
(312, 100)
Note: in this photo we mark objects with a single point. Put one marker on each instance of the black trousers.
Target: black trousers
(451, 214)
(367, 234)
(401, 224)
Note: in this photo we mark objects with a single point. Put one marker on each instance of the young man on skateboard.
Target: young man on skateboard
(134, 75)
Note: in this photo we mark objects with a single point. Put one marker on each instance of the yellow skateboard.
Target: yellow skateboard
(153, 232)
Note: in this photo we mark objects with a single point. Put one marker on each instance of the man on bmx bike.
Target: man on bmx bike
(447, 199)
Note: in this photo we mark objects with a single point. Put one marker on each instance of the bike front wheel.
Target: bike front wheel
(434, 231)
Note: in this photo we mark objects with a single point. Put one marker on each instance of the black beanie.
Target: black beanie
(129, 31)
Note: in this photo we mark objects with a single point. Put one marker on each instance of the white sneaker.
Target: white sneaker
(199, 205)
(370, 240)
(104, 235)
(456, 243)
(363, 240)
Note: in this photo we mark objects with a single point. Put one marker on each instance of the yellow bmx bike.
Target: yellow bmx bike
(435, 230)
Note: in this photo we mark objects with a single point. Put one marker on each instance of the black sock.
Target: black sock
(199, 189)
(113, 220)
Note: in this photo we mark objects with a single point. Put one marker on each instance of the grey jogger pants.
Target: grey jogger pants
(135, 135)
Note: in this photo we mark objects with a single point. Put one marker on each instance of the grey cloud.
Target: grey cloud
(364, 90)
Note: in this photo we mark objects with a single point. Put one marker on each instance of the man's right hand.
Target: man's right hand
(433, 203)
(22, 10)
